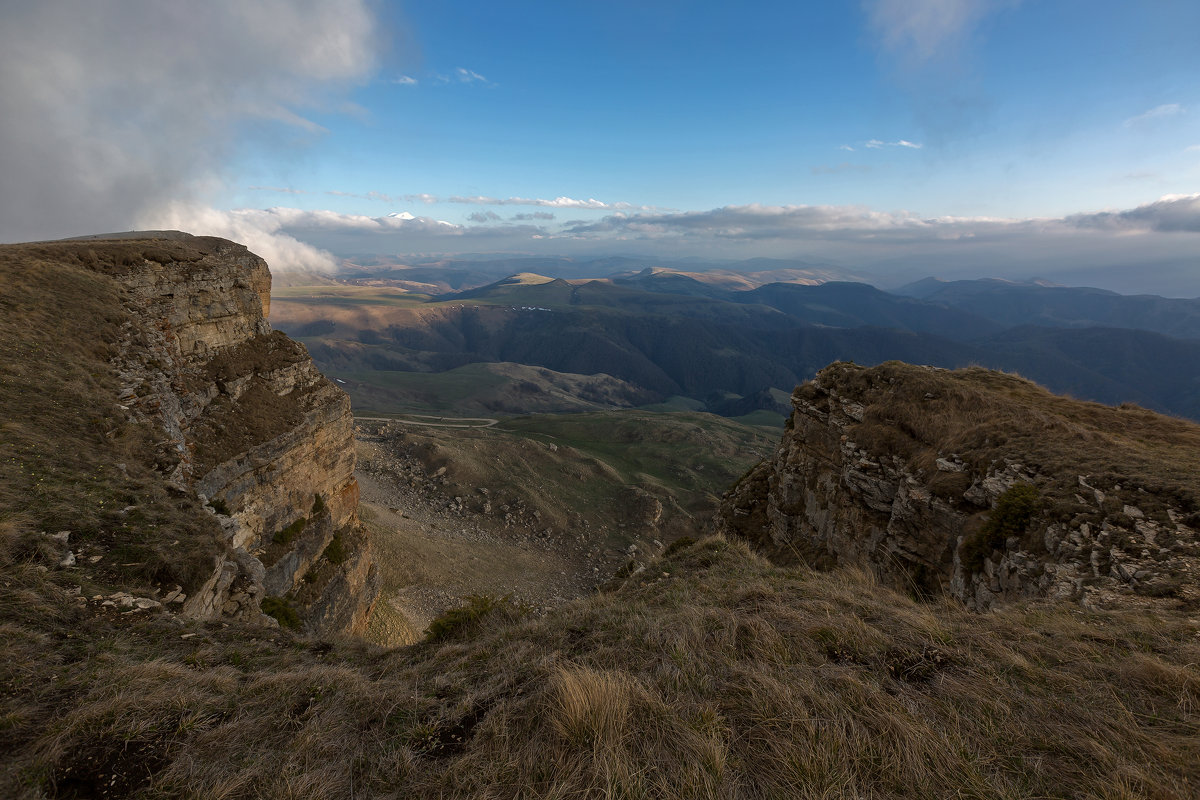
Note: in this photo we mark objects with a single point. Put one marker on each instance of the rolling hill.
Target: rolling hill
(661, 334)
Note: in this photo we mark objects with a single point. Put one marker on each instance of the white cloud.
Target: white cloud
(1158, 112)
(921, 30)
(845, 147)
(277, 189)
(1170, 214)
(1192, 149)
(877, 144)
(258, 231)
(115, 107)
(405, 80)
(469, 76)
(1173, 213)
(1152, 247)
(558, 202)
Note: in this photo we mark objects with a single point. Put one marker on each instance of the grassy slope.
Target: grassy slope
(681, 452)
(685, 459)
(712, 674)
(68, 459)
(987, 417)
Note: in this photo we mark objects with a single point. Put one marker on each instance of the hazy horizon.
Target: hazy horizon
(897, 138)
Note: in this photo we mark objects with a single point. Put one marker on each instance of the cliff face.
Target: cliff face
(978, 484)
(251, 427)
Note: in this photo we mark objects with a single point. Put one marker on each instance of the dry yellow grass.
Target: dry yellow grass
(591, 706)
(727, 678)
(69, 460)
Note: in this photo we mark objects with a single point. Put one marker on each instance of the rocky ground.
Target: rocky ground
(436, 543)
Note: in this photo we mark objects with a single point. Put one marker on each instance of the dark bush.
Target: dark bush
(335, 551)
(1013, 512)
(464, 620)
(682, 543)
(286, 535)
(282, 611)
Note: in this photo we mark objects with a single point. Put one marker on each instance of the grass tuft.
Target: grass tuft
(591, 707)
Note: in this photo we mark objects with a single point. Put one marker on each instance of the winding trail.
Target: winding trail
(441, 421)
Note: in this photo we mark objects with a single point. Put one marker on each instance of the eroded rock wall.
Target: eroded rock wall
(251, 427)
(834, 493)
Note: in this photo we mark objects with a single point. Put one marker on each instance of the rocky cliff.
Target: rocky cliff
(249, 426)
(979, 484)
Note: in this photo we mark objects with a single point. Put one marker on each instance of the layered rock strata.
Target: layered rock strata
(910, 472)
(250, 426)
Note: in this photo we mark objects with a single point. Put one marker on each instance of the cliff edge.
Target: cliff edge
(979, 484)
(231, 415)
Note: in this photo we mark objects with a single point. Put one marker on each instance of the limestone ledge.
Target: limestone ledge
(218, 301)
(251, 427)
(274, 483)
(823, 501)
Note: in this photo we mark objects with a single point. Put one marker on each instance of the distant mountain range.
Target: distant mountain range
(1061, 306)
(442, 275)
(727, 340)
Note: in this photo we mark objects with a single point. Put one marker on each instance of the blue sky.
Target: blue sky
(1030, 109)
(897, 137)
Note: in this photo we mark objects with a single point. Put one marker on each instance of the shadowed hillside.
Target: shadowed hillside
(662, 334)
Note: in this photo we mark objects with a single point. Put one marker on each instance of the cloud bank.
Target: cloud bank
(1153, 248)
(113, 109)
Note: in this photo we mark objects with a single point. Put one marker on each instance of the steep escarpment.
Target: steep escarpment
(239, 419)
(980, 484)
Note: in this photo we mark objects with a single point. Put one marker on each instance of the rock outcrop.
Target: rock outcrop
(981, 485)
(250, 426)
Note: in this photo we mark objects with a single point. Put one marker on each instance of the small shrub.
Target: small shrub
(335, 551)
(950, 486)
(682, 543)
(1013, 512)
(286, 535)
(220, 506)
(318, 504)
(468, 618)
(282, 611)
